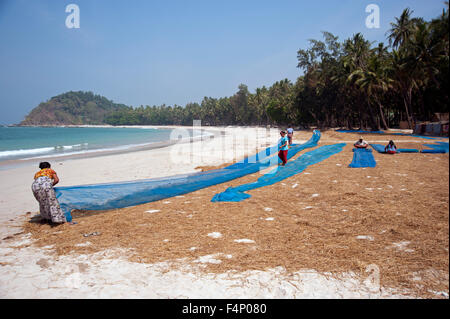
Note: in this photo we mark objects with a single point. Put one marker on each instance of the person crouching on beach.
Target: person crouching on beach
(43, 191)
(391, 148)
(283, 148)
(361, 143)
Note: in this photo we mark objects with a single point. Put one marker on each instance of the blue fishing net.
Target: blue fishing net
(415, 135)
(360, 131)
(388, 133)
(124, 194)
(380, 149)
(236, 194)
(438, 147)
(362, 157)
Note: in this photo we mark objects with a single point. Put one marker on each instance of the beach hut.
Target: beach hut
(437, 127)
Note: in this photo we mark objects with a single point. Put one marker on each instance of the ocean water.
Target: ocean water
(18, 143)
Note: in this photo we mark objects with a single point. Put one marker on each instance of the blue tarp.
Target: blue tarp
(360, 131)
(438, 147)
(362, 157)
(236, 194)
(389, 133)
(380, 149)
(415, 135)
(124, 194)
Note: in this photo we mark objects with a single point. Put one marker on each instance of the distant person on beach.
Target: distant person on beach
(290, 134)
(283, 147)
(391, 148)
(361, 143)
(43, 191)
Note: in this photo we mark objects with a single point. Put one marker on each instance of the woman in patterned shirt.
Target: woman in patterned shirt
(43, 191)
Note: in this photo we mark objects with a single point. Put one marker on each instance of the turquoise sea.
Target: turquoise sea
(45, 142)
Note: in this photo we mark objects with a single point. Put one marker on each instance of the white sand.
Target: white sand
(104, 276)
(245, 241)
(30, 272)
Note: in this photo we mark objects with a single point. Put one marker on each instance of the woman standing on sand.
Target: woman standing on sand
(283, 148)
(43, 191)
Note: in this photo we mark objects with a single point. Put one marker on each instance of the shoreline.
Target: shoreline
(123, 149)
(146, 162)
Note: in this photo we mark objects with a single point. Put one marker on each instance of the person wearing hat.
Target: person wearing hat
(283, 147)
(361, 143)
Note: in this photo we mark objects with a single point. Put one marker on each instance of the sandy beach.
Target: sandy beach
(328, 232)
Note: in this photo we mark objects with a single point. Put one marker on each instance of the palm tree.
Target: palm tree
(374, 80)
(356, 57)
(401, 30)
(406, 77)
(356, 52)
(427, 50)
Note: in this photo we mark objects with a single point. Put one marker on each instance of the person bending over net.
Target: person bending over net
(43, 191)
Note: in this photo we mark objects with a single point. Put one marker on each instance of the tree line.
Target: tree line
(354, 83)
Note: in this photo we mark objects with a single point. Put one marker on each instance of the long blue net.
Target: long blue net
(389, 133)
(236, 194)
(437, 147)
(124, 194)
(362, 157)
(360, 131)
(380, 149)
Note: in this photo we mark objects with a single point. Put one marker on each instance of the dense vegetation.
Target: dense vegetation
(354, 84)
(74, 108)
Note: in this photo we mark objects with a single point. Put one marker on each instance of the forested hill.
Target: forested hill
(72, 108)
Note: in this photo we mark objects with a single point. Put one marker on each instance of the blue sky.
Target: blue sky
(145, 52)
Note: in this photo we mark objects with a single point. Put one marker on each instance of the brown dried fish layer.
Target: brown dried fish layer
(404, 199)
